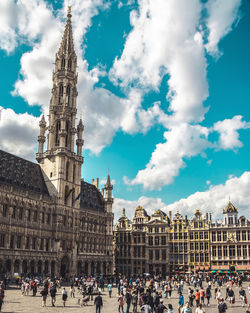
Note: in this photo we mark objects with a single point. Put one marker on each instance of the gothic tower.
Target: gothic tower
(60, 164)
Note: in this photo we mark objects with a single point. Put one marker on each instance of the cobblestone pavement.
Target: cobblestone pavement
(15, 303)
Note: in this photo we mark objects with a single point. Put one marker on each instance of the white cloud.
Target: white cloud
(221, 16)
(212, 200)
(18, 133)
(228, 130)
(215, 198)
(183, 141)
(148, 203)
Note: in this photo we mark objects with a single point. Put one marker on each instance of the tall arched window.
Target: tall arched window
(63, 63)
(69, 64)
(68, 90)
(67, 139)
(60, 93)
(74, 173)
(67, 171)
(58, 128)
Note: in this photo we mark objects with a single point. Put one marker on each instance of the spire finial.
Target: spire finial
(123, 212)
(69, 11)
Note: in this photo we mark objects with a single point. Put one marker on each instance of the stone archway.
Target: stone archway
(39, 267)
(46, 267)
(86, 270)
(98, 268)
(79, 268)
(7, 266)
(24, 267)
(104, 268)
(53, 268)
(92, 268)
(17, 266)
(64, 269)
(32, 267)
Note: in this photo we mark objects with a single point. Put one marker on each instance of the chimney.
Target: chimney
(95, 182)
(210, 217)
(207, 216)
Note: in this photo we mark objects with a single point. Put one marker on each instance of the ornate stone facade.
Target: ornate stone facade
(160, 244)
(51, 220)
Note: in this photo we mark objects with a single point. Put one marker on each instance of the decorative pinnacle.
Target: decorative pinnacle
(69, 11)
(42, 123)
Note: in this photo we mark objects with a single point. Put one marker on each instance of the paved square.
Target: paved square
(15, 302)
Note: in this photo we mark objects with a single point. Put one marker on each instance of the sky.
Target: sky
(163, 91)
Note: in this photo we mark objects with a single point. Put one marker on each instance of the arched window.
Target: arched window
(74, 173)
(69, 64)
(58, 128)
(67, 139)
(67, 171)
(60, 93)
(68, 90)
(63, 63)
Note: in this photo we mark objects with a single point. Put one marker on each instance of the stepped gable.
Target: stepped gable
(21, 173)
(91, 198)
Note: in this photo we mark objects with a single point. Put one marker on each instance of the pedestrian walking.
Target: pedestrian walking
(110, 289)
(222, 307)
(64, 296)
(98, 303)
(44, 294)
(53, 295)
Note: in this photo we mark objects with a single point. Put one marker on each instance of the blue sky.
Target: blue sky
(163, 91)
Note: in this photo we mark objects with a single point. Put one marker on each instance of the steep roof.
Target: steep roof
(91, 198)
(230, 208)
(21, 173)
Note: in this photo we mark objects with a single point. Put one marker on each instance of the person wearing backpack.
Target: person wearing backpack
(222, 306)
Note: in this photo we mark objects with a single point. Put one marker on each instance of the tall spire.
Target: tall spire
(67, 43)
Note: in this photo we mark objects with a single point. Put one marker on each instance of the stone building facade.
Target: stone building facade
(160, 244)
(51, 220)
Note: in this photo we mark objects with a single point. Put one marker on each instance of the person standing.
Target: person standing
(146, 308)
(64, 296)
(128, 299)
(44, 294)
(242, 295)
(187, 308)
(72, 291)
(231, 296)
(199, 309)
(53, 295)
(197, 297)
(222, 307)
(98, 303)
(120, 302)
(208, 295)
(181, 301)
(110, 289)
(134, 301)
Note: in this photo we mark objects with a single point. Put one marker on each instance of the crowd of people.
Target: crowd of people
(142, 294)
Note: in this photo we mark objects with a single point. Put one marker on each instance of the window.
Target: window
(191, 235)
(213, 236)
(238, 235)
(48, 218)
(68, 91)
(163, 229)
(196, 235)
(206, 235)
(42, 218)
(163, 240)
(230, 220)
(201, 235)
(74, 173)
(232, 251)
(41, 244)
(27, 245)
(47, 245)
(239, 250)
(163, 254)
(201, 246)
(14, 212)
(58, 128)
(5, 210)
(157, 254)
(60, 99)
(201, 257)
(185, 246)
(28, 215)
(175, 236)
(196, 257)
(248, 235)
(244, 250)
(244, 235)
(218, 236)
(214, 251)
(157, 229)
(191, 246)
(12, 242)
(35, 216)
(150, 240)
(224, 236)
(180, 236)
(219, 251)
(63, 63)
(19, 241)
(191, 258)
(200, 224)
(156, 240)
(206, 257)
(34, 243)
(185, 236)
(69, 64)
(206, 245)
(243, 222)
(150, 254)
(2, 240)
(67, 171)
(20, 213)
(225, 250)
